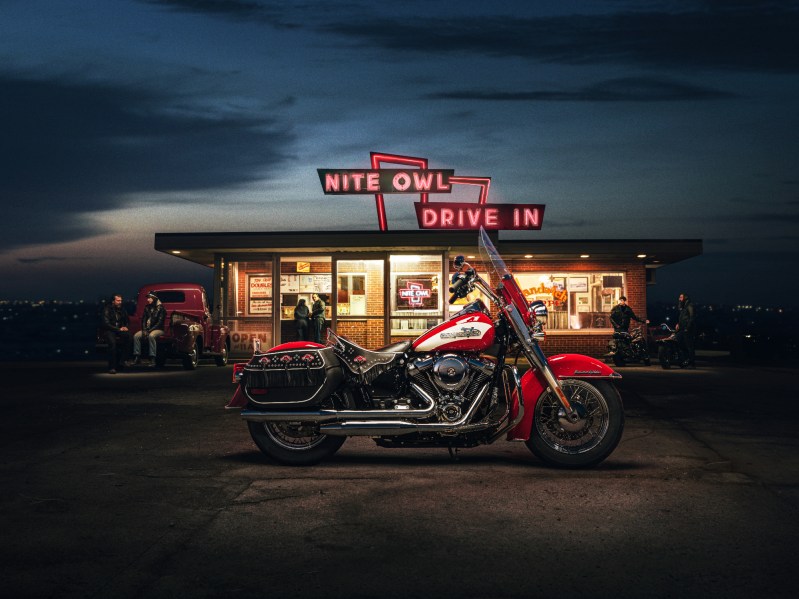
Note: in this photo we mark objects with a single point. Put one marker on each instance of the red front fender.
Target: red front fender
(564, 366)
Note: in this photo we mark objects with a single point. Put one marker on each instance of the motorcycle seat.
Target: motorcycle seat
(399, 348)
(366, 364)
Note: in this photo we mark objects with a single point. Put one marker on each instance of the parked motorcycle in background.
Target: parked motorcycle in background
(669, 351)
(453, 387)
(629, 347)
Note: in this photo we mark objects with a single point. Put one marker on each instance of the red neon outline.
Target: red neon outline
(483, 182)
(377, 158)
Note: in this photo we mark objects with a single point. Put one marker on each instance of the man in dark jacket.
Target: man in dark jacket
(621, 315)
(317, 317)
(152, 327)
(115, 330)
(686, 329)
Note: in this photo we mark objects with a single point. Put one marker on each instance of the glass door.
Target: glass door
(359, 302)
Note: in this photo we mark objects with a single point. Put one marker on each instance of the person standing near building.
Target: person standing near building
(622, 314)
(686, 329)
(317, 317)
(115, 325)
(152, 327)
(301, 313)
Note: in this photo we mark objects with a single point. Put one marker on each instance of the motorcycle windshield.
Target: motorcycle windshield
(505, 284)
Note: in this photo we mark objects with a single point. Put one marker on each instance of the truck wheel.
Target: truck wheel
(191, 359)
(222, 358)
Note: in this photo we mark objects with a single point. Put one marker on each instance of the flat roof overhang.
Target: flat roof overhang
(201, 248)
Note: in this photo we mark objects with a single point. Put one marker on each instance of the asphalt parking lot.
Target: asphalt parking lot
(141, 485)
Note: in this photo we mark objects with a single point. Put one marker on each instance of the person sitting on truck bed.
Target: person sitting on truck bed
(152, 327)
(115, 330)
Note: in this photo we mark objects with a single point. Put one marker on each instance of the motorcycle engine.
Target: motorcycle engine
(452, 379)
(450, 372)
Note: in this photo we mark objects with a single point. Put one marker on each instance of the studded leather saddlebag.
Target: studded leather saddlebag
(303, 377)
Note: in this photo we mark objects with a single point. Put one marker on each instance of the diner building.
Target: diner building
(384, 286)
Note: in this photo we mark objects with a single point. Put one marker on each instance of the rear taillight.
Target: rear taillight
(238, 372)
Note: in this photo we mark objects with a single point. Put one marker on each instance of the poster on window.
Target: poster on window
(261, 307)
(260, 294)
(289, 283)
(416, 292)
(578, 284)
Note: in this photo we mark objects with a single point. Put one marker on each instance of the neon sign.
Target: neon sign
(424, 181)
(415, 293)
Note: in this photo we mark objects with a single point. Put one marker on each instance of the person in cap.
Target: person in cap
(152, 327)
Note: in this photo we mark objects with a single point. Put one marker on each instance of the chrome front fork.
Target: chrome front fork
(536, 357)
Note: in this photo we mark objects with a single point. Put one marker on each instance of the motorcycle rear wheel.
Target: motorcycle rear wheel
(293, 443)
(586, 441)
(663, 357)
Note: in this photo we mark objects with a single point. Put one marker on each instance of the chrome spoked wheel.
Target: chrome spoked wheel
(584, 437)
(293, 443)
(575, 433)
(293, 436)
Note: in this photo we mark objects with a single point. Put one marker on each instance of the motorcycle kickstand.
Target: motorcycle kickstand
(453, 453)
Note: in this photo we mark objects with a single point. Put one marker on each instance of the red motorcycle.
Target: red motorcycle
(452, 387)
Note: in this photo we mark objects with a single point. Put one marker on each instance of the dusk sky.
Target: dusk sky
(629, 120)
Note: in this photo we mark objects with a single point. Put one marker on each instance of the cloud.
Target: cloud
(776, 217)
(44, 259)
(71, 147)
(626, 89)
(270, 13)
(744, 37)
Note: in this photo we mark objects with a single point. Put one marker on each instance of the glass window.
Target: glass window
(416, 299)
(360, 301)
(575, 300)
(248, 304)
(300, 278)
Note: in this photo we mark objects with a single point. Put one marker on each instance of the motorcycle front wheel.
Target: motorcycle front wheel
(584, 439)
(293, 443)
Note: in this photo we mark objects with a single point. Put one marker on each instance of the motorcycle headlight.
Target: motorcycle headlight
(538, 312)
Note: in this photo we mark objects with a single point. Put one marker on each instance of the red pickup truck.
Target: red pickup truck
(190, 334)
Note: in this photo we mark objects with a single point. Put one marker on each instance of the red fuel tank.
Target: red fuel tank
(463, 332)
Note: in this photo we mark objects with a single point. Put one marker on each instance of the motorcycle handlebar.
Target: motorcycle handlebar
(455, 288)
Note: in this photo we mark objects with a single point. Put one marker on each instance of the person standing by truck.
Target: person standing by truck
(115, 325)
(152, 327)
(317, 317)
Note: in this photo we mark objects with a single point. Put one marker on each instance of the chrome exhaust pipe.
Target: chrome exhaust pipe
(331, 415)
(394, 429)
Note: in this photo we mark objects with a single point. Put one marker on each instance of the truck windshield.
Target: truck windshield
(171, 297)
